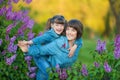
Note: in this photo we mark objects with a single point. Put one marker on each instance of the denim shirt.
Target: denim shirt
(57, 51)
(47, 37)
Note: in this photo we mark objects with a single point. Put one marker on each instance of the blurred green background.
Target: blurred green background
(98, 17)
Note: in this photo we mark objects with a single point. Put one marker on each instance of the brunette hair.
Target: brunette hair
(77, 25)
(59, 19)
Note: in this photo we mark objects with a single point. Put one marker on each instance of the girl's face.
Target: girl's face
(58, 28)
(71, 33)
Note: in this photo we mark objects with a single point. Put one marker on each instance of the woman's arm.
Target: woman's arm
(78, 49)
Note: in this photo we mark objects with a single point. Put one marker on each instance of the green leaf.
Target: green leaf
(117, 64)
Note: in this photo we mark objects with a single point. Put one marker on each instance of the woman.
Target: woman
(58, 49)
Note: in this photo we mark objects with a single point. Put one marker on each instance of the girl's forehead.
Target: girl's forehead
(70, 27)
(58, 23)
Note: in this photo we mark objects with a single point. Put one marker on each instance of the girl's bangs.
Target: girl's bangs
(59, 21)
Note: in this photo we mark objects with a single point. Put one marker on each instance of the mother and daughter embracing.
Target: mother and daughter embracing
(59, 45)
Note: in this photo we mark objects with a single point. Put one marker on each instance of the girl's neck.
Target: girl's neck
(71, 42)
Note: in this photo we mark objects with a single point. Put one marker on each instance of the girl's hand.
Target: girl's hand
(23, 42)
(24, 48)
(27, 42)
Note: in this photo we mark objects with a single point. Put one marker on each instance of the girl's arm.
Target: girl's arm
(46, 37)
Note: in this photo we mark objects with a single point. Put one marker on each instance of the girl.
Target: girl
(58, 49)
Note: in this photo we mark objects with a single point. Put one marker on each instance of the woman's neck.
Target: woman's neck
(71, 42)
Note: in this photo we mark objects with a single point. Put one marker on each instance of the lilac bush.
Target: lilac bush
(14, 26)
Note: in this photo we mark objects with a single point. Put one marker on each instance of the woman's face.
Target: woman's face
(58, 28)
(71, 33)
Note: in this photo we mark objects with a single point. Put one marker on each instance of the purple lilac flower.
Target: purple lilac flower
(10, 60)
(15, 1)
(7, 37)
(12, 47)
(9, 28)
(117, 47)
(28, 58)
(15, 48)
(21, 30)
(9, 2)
(13, 39)
(18, 16)
(58, 70)
(9, 15)
(117, 52)
(25, 19)
(25, 13)
(117, 40)
(28, 63)
(101, 46)
(1, 1)
(2, 10)
(31, 75)
(96, 64)
(3, 52)
(30, 24)
(32, 69)
(63, 75)
(84, 70)
(107, 67)
(1, 42)
(57, 66)
(40, 34)
(30, 35)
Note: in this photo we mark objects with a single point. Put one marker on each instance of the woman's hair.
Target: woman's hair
(77, 25)
(59, 19)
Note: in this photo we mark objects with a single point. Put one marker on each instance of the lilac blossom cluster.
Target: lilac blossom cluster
(101, 46)
(117, 47)
(32, 70)
(96, 64)
(84, 70)
(107, 67)
(61, 72)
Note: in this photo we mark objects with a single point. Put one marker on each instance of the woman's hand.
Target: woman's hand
(72, 50)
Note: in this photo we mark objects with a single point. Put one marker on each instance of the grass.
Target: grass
(84, 56)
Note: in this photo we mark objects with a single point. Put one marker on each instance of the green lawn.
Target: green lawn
(84, 56)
